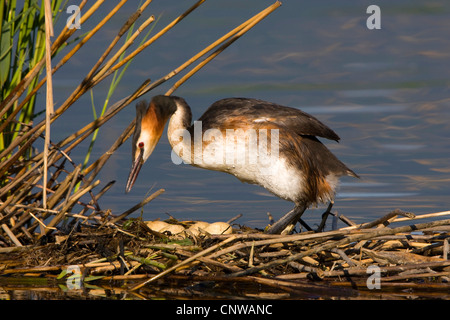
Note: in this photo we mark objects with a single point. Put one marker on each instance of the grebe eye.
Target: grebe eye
(141, 145)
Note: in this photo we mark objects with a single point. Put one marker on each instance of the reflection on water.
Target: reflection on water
(345, 195)
(385, 92)
(354, 109)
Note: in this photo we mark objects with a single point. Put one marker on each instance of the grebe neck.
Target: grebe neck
(179, 121)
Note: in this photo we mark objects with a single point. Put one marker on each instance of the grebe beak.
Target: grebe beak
(135, 168)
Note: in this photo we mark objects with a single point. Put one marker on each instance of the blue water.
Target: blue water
(385, 92)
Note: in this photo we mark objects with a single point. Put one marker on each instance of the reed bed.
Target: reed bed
(42, 188)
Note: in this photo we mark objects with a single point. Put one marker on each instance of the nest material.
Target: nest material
(351, 261)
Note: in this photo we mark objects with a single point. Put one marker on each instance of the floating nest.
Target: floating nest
(137, 259)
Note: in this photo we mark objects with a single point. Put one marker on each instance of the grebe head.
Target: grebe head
(149, 127)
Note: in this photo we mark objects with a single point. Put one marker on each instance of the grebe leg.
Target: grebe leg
(289, 218)
(325, 217)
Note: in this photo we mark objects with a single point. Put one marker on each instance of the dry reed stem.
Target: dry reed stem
(124, 47)
(206, 50)
(73, 182)
(137, 206)
(26, 186)
(49, 96)
(409, 217)
(18, 179)
(73, 199)
(11, 235)
(104, 73)
(234, 34)
(96, 198)
(40, 222)
(55, 198)
(64, 187)
(424, 216)
(49, 212)
(122, 31)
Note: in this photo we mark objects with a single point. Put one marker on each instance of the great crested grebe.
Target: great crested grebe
(232, 136)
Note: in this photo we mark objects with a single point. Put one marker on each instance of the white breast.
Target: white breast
(277, 177)
(255, 166)
(249, 162)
